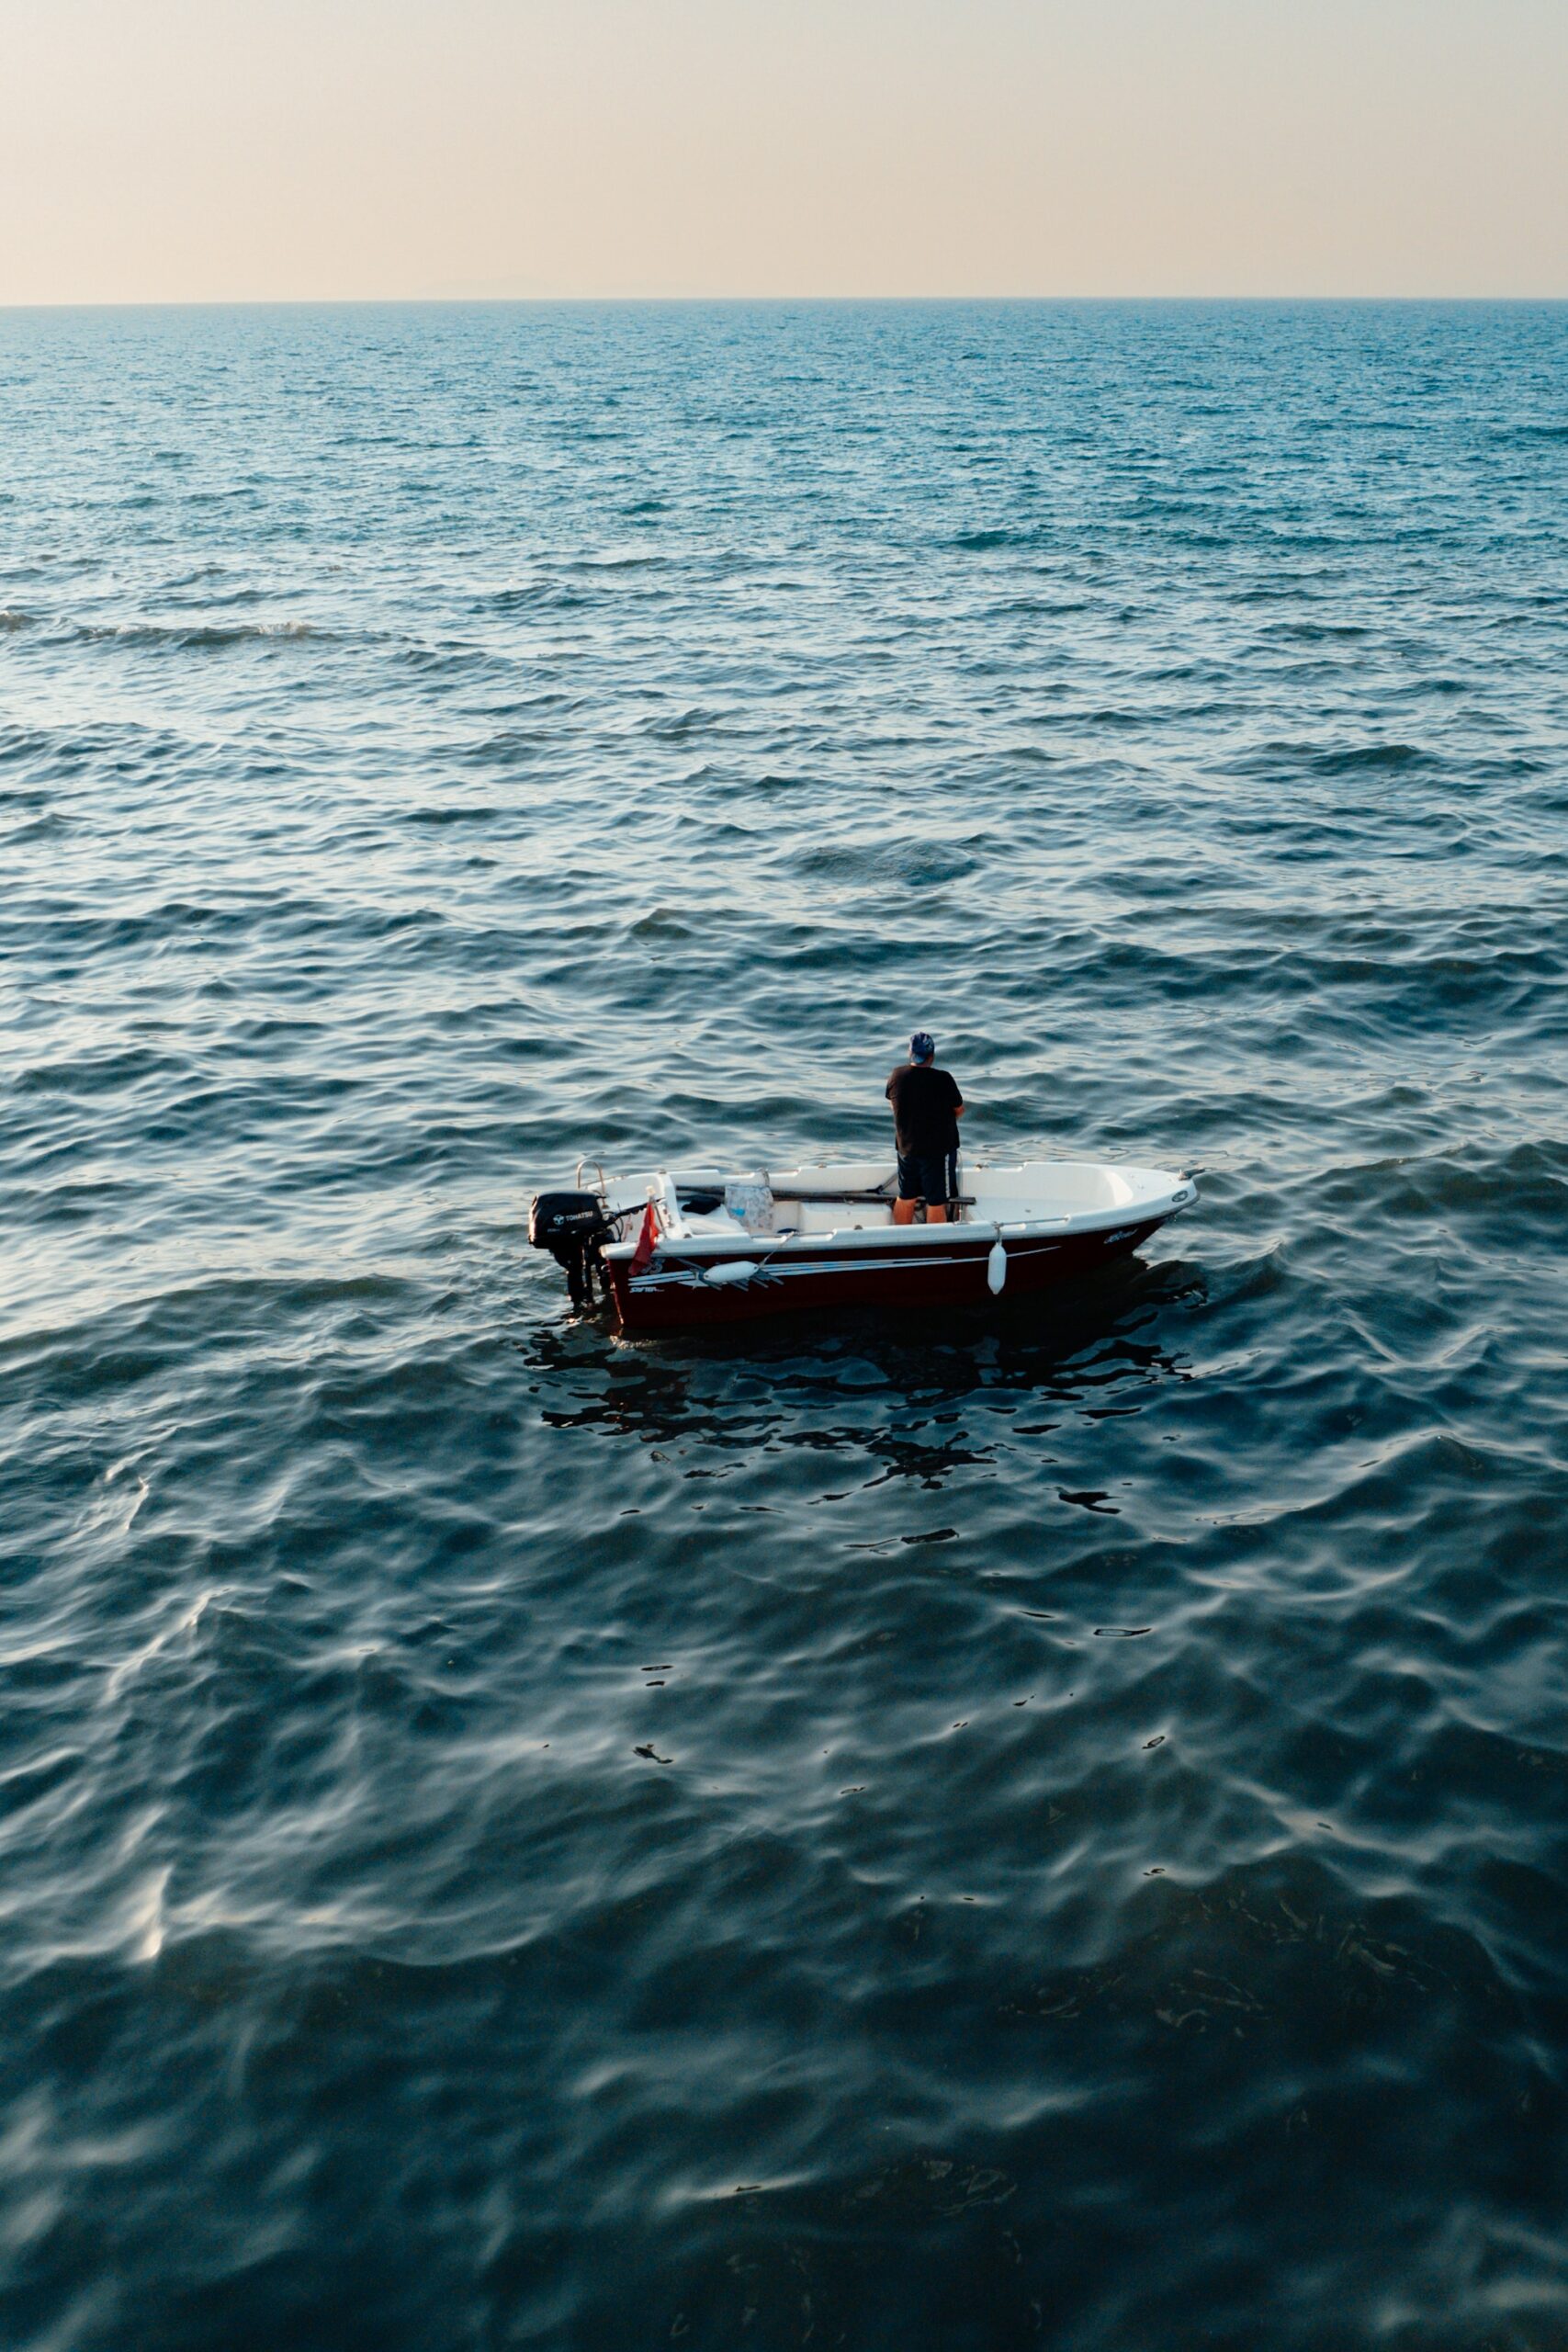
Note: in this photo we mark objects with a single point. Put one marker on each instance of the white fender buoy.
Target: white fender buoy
(996, 1266)
(734, 1270)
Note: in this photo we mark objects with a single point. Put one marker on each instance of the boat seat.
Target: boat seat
(725, 1221)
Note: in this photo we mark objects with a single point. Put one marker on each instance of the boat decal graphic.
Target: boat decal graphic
(693, 1276)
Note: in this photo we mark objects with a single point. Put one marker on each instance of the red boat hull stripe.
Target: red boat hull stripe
(673, 1291)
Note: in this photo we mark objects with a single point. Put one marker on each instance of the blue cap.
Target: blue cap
(922, 1045)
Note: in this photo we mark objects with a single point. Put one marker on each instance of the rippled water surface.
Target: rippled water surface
(1044, 1829)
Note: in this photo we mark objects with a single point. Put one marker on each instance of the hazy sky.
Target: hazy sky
(189, 149)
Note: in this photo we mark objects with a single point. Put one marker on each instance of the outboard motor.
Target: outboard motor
(572, 1227)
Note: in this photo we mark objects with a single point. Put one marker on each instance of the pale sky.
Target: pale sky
(203, 150)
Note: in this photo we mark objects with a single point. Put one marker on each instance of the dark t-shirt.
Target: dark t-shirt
(924, 1099)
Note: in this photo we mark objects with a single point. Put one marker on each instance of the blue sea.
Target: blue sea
(1046, 1829)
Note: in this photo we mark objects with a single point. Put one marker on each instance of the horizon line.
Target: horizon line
(653, 301)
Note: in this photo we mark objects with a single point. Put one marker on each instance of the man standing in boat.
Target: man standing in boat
(927, 1107)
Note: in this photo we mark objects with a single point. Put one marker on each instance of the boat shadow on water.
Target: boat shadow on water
(1092, 1343)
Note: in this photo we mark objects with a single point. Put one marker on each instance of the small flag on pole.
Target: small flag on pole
(645, 1241)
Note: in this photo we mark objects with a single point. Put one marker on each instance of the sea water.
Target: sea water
(1049, 1827)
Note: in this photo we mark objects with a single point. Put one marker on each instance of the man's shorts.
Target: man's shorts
(931, 1181)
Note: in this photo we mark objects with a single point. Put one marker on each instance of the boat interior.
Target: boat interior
(855, 1196)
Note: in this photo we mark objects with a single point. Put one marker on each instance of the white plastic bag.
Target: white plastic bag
(750, 1198)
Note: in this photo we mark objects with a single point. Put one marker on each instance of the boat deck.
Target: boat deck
(807, 1205)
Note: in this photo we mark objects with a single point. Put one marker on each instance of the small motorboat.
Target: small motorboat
(701, 1246)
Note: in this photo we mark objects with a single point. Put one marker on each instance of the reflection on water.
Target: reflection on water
(886, 1385)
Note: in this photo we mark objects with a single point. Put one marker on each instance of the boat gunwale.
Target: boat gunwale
(945, 1239)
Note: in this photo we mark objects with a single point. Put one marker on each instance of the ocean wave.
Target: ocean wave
(200, 637)
(531, 596)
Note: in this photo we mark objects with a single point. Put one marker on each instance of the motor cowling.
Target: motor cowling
(556, 1217)
(572, 1227)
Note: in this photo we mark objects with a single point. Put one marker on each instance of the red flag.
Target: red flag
(645, 1241)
